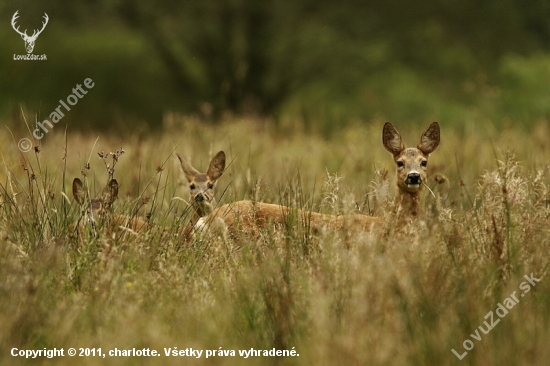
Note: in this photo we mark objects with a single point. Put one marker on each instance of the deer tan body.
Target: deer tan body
(249, 216)
(97, 211)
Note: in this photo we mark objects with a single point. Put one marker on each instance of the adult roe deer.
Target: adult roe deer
(412, 164)
(249, 216)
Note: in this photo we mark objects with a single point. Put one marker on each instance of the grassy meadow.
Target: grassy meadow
(401, 296)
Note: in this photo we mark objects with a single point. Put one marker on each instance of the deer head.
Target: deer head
(412, 162)
(201, 185)
(29, 40)
(96, 207)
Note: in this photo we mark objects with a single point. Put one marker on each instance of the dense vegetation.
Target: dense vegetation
(402, 296)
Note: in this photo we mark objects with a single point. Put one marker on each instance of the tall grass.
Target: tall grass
(399, 297)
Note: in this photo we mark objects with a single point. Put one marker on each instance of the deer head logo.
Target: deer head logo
(29, 40)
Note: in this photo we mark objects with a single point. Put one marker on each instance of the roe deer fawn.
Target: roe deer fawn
(412, 164)
(250, 216)
(201, 191)
(201, 185)
(96, 209)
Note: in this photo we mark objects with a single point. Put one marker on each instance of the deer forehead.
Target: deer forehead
(96, 204)
(201, 178)
(412, 154)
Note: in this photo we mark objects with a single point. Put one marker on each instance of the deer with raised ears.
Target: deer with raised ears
(412, 164)
(29, 40)
(249, 216)
(96, 209)
(201, 185)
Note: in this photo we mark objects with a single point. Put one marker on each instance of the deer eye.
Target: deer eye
(424, 163)
(210, 185)
(400, 164)
(192, 186)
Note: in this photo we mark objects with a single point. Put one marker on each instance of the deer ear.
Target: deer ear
(188, 170)
(110, 193)
(430, 139)
(79, 193)
(217, 166)
(392, 139)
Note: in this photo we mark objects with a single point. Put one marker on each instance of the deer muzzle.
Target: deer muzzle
(413, 179)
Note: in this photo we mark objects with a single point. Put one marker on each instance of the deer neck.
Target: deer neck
(202, 209)
(409, 203)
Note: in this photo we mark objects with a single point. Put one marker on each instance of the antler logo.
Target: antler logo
(29, 41)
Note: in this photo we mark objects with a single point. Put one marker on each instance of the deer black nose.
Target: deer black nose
(413, 178)
(199, 198)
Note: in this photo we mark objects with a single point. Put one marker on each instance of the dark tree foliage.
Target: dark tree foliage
(239, 54)
(254, 56)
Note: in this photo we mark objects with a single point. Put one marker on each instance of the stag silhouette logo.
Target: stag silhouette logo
(29, 40)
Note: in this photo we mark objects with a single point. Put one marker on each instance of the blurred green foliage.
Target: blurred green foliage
(321, 63)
